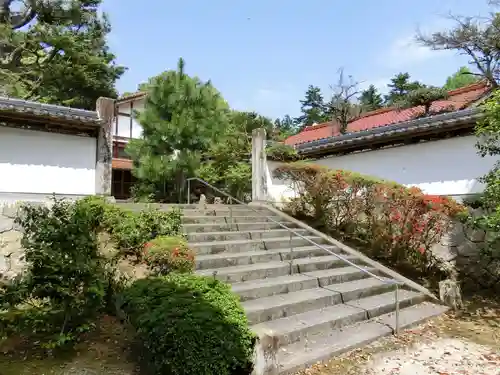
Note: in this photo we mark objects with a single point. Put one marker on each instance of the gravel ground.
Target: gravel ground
(443, 357)
(466, 343)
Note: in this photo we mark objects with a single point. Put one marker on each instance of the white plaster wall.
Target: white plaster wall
(45, 163)
(124, 121)
(444, 167)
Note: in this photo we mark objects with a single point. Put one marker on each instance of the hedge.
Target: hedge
(189, 324)
(389, 220)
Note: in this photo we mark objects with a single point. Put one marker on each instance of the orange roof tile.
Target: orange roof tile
(458, 99)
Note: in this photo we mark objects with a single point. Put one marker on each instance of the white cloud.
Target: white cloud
(405, 51)
(272, 102)
(380, 84)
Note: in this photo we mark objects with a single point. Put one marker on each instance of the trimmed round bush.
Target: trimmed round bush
(167, 254)
(190, 325)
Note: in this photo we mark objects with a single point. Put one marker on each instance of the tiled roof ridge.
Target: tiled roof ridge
(472, 87)
(134, 95)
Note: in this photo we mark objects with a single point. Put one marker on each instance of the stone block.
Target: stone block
(266, 354)
(6, 224)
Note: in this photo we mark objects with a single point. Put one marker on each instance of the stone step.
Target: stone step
(298, 327)
(226, 211)
(356, 289)
(292, 283)
(251, 257)
(236, 219)
(243, 235)
(193, 206)
(284, 305)
(257, 271)
(221, 227)
(330, 343)
(238, 246)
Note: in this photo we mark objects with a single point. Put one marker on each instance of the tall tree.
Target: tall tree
(56, 52)
(284, 127)
(248, 121)
(399, 87)
(342, 107)
(312, 107)
(371, 99)
(462, 77)
(181, 119)
(477, 38)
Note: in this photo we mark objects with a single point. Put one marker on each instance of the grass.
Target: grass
(106, 351)
(479, 322)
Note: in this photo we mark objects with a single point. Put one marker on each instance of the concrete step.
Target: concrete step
(283, 305)
(258, 271)
(292, 283)
(356, 289)
(238, 259)
(236, 219)
(242, 235)
(221, 227)
(238, 246)
(298, 327)
(185, 207)
(226, 211)
(329, 343)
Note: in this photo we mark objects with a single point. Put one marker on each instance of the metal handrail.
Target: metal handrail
(386, 281)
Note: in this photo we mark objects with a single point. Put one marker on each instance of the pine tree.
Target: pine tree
(400, 86)
(181, 119)
(423, 96)
(312, 107)
(371, 99)
(56, 52)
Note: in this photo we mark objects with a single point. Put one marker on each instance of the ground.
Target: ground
(466, 343)
(104, 352)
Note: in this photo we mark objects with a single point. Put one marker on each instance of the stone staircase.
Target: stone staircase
(315, 304)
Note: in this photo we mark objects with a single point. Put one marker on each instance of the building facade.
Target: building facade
(436, 153)
(125, 127)
(48, 149)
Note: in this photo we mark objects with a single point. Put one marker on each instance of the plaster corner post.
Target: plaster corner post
(105, 111)
(258, 165)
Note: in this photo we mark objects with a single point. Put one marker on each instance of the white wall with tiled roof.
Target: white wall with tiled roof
(38, 162)
(444, 167)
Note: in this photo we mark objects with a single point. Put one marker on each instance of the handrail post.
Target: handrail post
(291, 254)
(189, 191)
(396, 296)
(230, 217)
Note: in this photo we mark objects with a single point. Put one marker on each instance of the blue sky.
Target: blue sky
(262, 54)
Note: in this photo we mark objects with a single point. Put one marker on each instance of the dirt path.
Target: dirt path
(467, 343)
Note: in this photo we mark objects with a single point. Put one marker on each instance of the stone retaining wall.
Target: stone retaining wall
(11, 252)
(460, 250)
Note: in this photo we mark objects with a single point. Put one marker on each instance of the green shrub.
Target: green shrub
(167, 254)
(132, 230)
(64, 286)
(282, 152)
(388, 221)
(190, 325)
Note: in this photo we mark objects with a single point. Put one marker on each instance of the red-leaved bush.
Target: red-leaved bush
(166, 254)
(391, 221)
